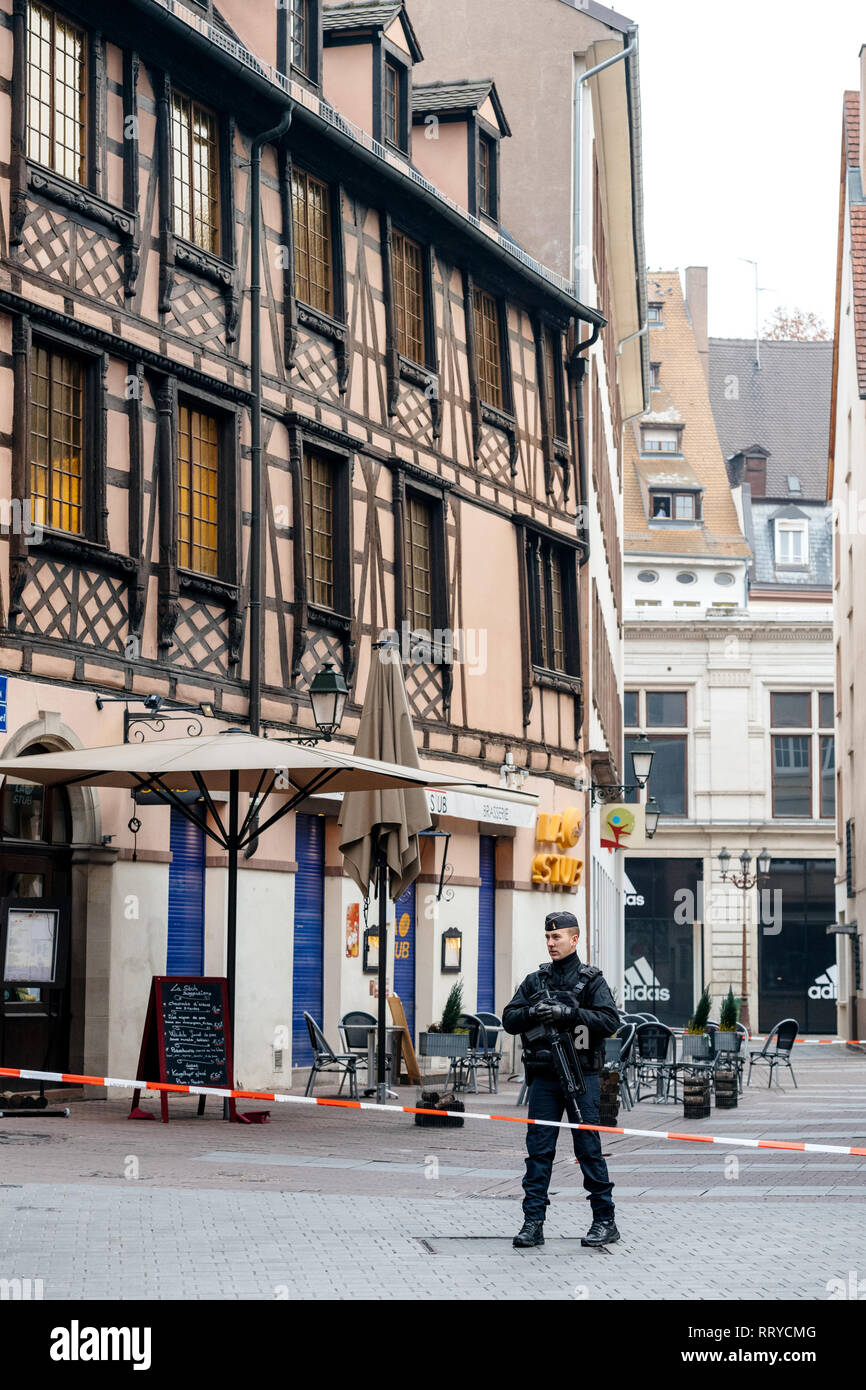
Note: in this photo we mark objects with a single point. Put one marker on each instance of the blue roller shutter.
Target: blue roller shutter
(404, 954)
(486, 923)
(185, 954)
(309, 939)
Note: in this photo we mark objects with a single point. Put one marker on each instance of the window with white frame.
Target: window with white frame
(792, 544)
(660, 441)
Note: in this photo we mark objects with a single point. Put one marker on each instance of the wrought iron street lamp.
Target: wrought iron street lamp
(642, 755)
(746, 881)
(652, 813)
(328, 696)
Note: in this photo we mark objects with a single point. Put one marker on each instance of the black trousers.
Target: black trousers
(546, 1102)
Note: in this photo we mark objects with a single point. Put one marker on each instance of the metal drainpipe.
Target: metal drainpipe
(578, 149)
(577, 372)
(256, 498)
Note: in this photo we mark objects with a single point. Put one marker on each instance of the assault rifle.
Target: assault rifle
(560, 1045)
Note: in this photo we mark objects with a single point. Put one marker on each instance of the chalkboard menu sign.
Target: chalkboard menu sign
(187, 1038)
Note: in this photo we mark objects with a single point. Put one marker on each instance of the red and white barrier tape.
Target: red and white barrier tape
(820, 1042)
(173, 1089)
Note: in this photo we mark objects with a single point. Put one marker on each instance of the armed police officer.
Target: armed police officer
(565, 997)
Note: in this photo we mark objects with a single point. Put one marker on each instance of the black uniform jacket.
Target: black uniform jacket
(585, 991)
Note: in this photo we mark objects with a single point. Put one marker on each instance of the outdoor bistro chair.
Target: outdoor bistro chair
(326, 1059)
(482, 1052)
(780, 1055)
(617, 1052)
(698, 1056)
(729, 1053)
(354, 1030)
(655, 1058)
(492, 1036)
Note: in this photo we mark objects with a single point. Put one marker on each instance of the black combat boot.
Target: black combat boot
(532, 1233)
(601, 1233)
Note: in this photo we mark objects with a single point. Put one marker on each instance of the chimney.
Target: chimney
(696, 299)
(862, 155)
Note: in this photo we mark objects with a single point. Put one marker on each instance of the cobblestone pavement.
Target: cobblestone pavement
(99, 1207)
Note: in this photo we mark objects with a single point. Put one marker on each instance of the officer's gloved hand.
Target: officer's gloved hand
(558, 1014)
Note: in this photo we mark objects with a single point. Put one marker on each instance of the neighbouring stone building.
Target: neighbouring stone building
(425, 458)
(729, 668)
(846, 491)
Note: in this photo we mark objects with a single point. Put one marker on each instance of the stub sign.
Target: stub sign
(464, 806)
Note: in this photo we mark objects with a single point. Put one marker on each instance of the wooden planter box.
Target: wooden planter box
(443, 1044)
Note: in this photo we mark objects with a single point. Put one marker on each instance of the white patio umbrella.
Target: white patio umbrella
(232, 761)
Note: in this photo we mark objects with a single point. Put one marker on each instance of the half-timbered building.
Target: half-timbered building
(417, 471)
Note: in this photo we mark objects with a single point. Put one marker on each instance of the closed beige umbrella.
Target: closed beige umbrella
(387, 819)
(381, 826)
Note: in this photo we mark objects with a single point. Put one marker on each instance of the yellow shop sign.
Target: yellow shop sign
(563, 830)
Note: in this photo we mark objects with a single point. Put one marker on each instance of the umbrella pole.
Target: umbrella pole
(232, 918)
(382, 878)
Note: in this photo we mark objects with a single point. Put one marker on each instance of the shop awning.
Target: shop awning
(493, 805)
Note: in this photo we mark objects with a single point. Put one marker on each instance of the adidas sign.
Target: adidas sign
(826, 986)
(641, 983)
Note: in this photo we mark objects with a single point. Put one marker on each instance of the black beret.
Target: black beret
(561, 921)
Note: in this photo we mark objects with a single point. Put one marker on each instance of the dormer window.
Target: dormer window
(655, 314)
(486, 176)
(395, 104)
(670, 505)
(755, 474)
(655, 441)
(298, 37)
(391, 109)
(792, 544)
(655, 376)
(470, 178)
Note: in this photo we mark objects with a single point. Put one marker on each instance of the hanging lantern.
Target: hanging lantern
(371, 950)
(452, 951)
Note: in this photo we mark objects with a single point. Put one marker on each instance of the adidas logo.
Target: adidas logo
(827, 985)
(641, 983)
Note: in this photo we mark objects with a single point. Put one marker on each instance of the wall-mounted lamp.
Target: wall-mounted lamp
(511, 776)
(652, 812)
(447, 869)
(452, 951)
(371, 951)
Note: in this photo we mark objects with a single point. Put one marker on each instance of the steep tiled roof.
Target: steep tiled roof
(851, 137)
(683, 397)
(366, 12)
(784, 408)
(457, 96)
(851, 116)
(371, 14)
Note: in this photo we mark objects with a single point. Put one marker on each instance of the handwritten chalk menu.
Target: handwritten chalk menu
(193, 1031)
(187, 1037)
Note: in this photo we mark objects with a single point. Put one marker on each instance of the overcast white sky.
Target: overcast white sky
(742, 128)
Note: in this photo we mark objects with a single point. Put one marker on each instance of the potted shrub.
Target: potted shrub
(444, 1039)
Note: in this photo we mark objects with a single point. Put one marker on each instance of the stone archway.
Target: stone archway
(53, 734)
(90, 925)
